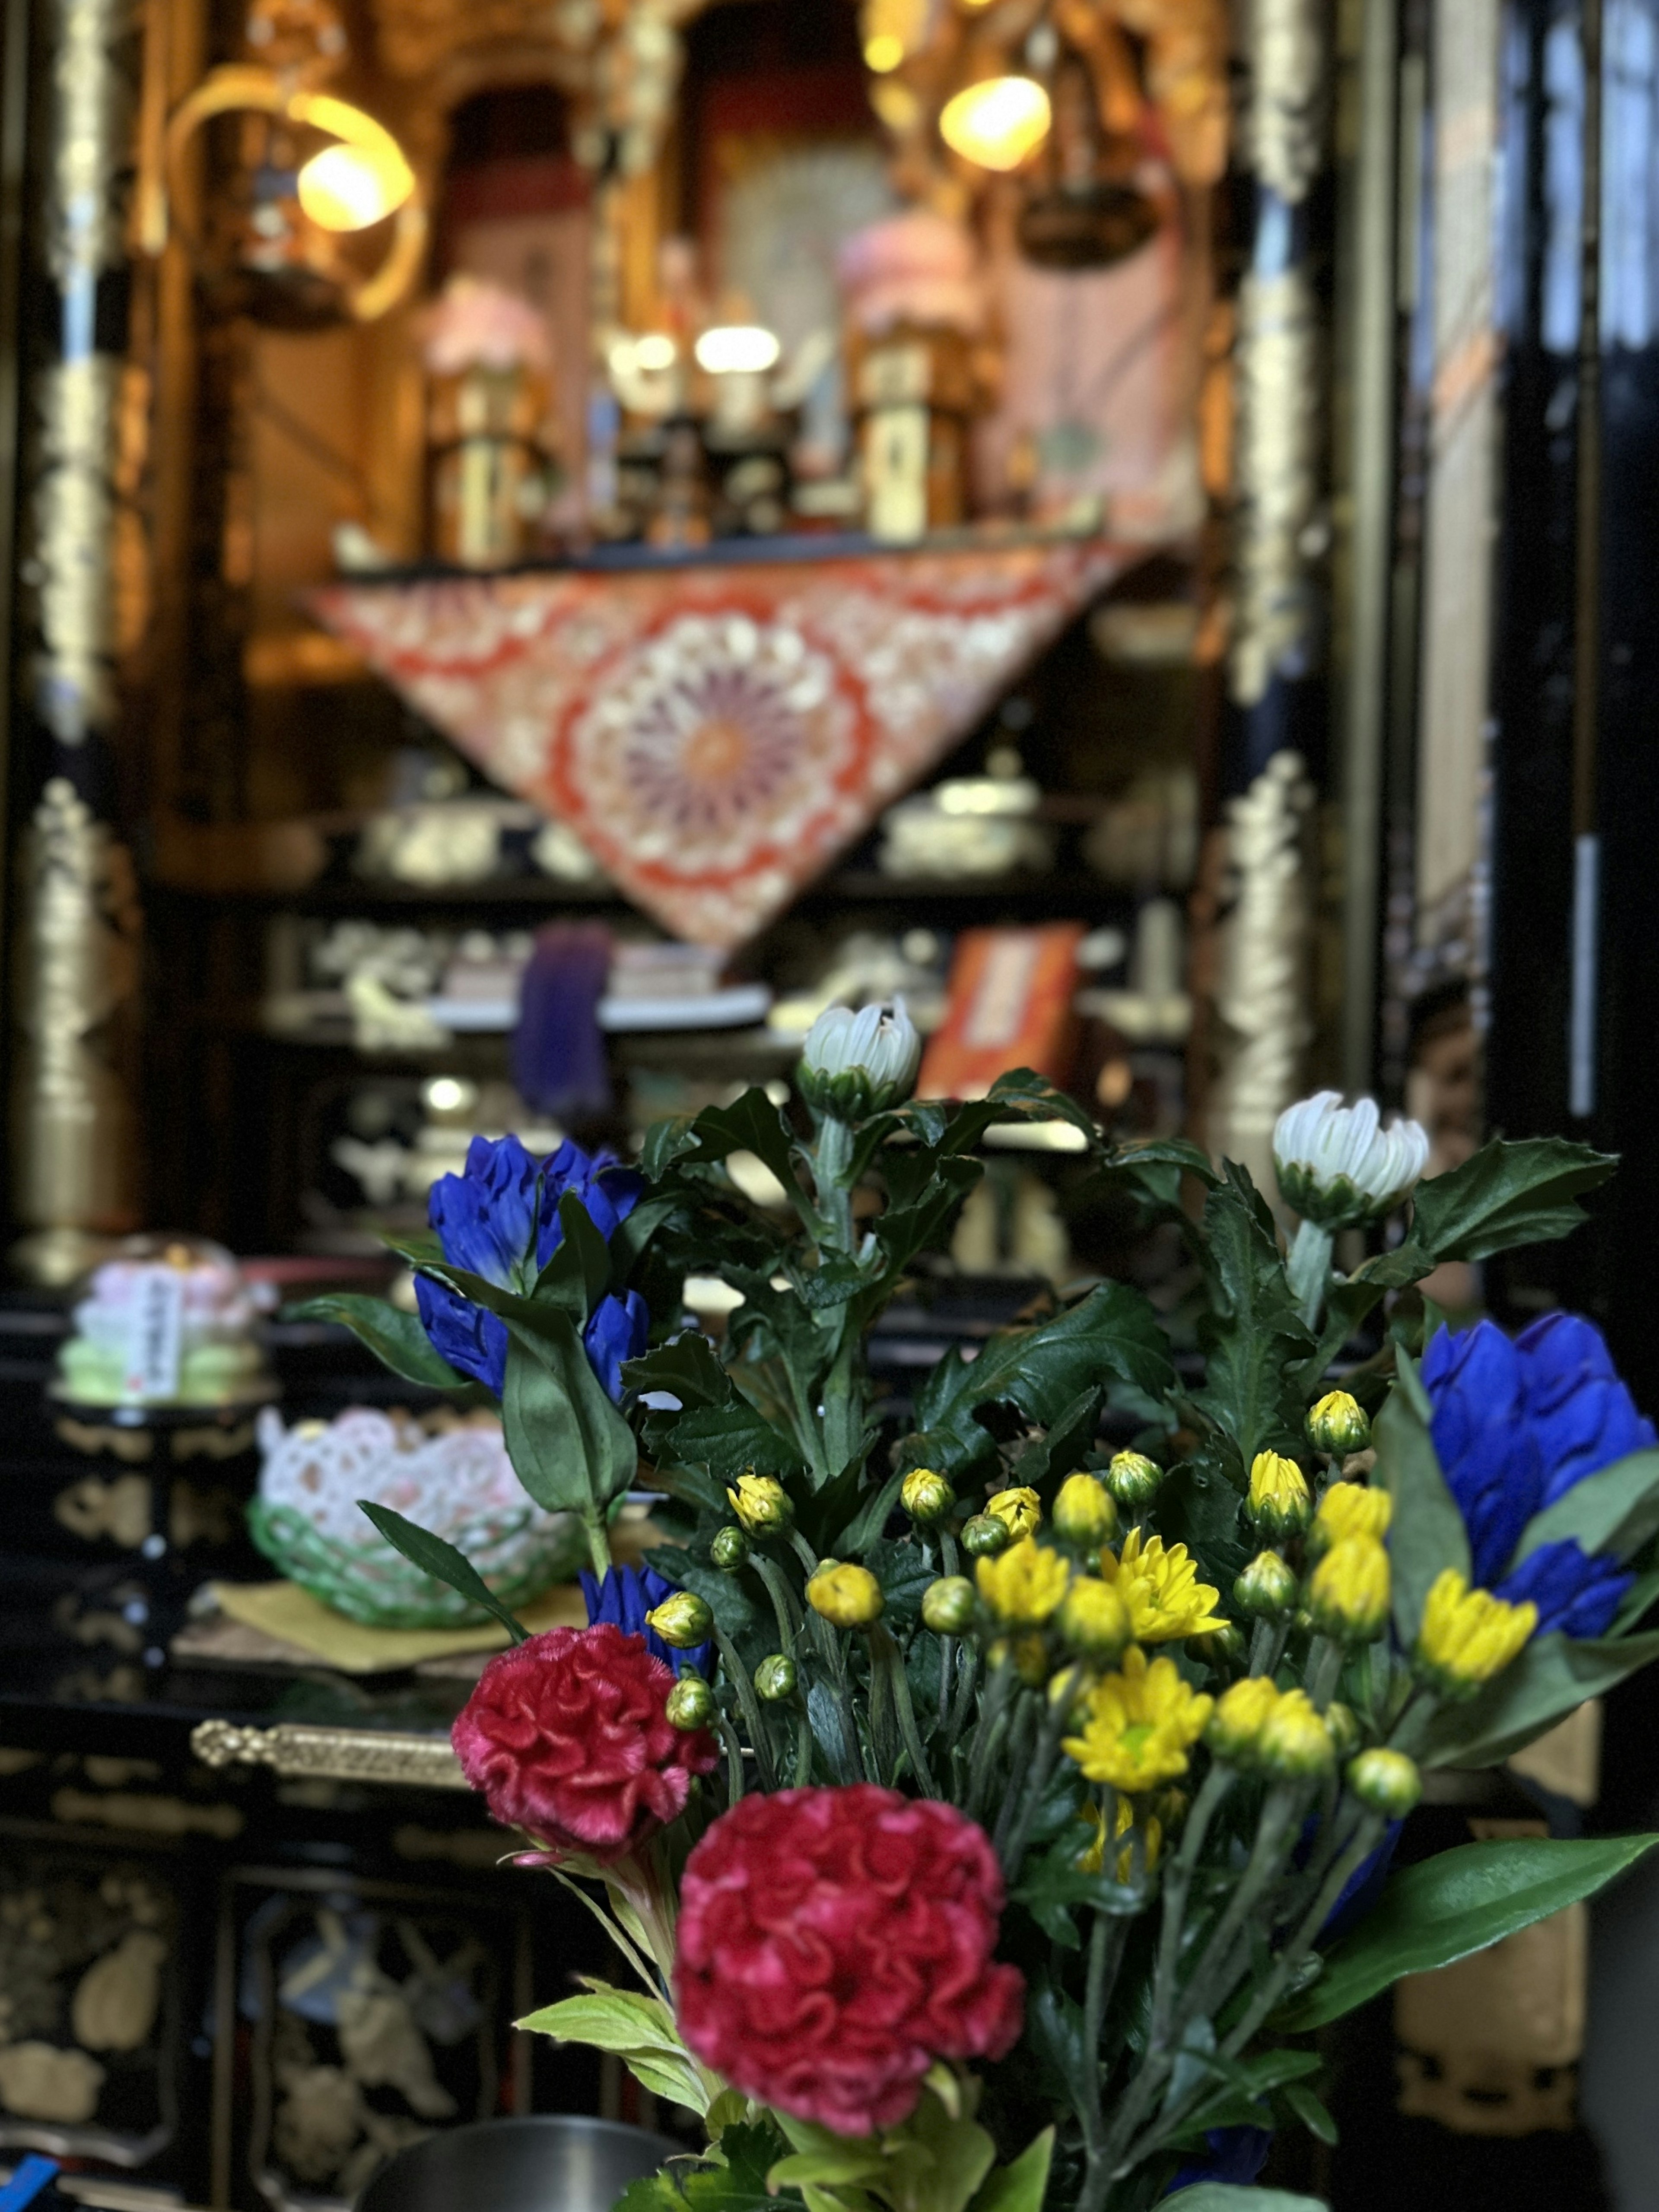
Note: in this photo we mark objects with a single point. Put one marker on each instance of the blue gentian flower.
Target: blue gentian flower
(500, 1219)
(1574, 1591)
(1363, 1890)
(1237, 2156)
(624, 1597)
(1516, 1426)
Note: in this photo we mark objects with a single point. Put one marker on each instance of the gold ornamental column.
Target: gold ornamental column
(76, 918)
(1261, 864)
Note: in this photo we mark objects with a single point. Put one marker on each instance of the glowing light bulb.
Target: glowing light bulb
(996, 124)
(349, 187)
(654, 352)
(737, 347)
(883, 52)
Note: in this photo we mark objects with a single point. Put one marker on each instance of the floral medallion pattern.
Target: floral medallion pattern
(718, 737)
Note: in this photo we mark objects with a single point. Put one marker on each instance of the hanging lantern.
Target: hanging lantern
(998, 123)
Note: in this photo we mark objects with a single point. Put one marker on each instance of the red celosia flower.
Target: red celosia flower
(568, 1736)
(833, 1943)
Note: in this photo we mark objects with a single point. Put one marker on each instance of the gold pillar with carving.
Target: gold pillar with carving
(75, 995)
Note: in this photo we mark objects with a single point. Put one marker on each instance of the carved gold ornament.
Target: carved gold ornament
(291, 1748)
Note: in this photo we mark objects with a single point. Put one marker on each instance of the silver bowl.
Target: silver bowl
(549, 2162)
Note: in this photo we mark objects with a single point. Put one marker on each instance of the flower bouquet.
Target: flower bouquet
(991, 1803)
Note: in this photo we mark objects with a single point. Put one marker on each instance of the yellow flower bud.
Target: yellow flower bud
(845, 1595)
(1349, 1508)
(761, 1504)
(1468, 1635)
(1295, 1742)
(1023, 1584)
(1094, 1618)
(1083, 1511)
(924, 1496)
(1020, 1512)
(1279, 1502)
(1385, 1782)
(681, 1620)
(1240, 1716)
(1348, 1593)
(1133, 1479)
(1338, 1424)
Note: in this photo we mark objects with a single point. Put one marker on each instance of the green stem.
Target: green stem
(885, 1653)
(803, 1773)
(1021, 1730)
(733, 1760)
(1311, 1270)
(778, 1590)
(737, 1674)
(599, 1542)
(1307, 1934)
(1060, 1694)
(1324, 1670)
(1177, 1883)
(831, 1155)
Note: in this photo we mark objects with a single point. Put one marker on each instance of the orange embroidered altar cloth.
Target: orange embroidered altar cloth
(717, 735)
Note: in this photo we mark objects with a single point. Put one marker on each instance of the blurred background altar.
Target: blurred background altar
(550, 540)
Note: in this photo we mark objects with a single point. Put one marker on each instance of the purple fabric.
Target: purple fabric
(559, 1061)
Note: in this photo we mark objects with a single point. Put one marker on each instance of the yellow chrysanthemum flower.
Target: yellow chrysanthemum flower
(1093, 1856)
(1349, 1508)
(761, 1504)
(1023, 1584)
(1468, 1635)
(1160, 1587)
(1020, 1512)
(1141, 1721)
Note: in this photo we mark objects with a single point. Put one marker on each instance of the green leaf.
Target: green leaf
(1309, 2111)
(685, 1368)
(1253, 1337)
(1460, 1902)
(569, 1446)
(1020, 2187)
(728, 1440)
(1615, 1510)
(1042, 1370)
(1551, 1679)
(867, 1523)
(1426, 1533)
(441, 1560)
(1236, 2102)
(397, 1338)
(751, 1124)
(1048, 1459)
(641, 2030)
(1228, 2197)
(578, 1274)
(1509, 1192)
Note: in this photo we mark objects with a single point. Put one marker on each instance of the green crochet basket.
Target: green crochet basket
(371, 1583)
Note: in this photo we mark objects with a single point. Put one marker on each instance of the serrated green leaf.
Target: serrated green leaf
(1253, 1338)
(1523, 1191)
(442, 1561)
(729, 1440)
(1553, 1677)
(397, 1338)
(1461, 1901)
(1042, 1370)
(1614, 1511)
(1426, 1533)
(569, 1446)
(640, 2030)
(685, 1368)
(751, 1124)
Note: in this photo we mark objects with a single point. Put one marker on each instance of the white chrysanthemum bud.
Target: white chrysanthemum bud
(855, 1065)
(1338, 1167)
